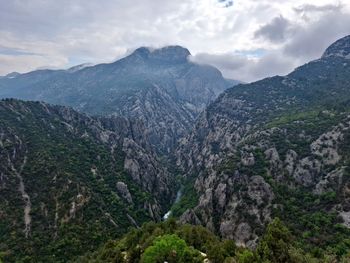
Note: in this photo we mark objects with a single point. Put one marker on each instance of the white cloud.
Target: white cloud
(67, 32)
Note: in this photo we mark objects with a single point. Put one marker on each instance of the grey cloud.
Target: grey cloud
(14, 52)
(271, 64)
(247, 69)
(314, 8)
(275, 31)
(62, 33)
(310, 41)
(82, 30)
(226, 3)
(223, 61)
(24, 63)
(54, 19)
(229, 4)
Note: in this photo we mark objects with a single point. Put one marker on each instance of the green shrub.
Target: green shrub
(172, 249)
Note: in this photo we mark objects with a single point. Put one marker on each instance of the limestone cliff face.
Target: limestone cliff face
(160, 87)
(258, 138)
(62, 171)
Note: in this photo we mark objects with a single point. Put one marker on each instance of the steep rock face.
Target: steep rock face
(161, 87)
(279, 133)
(66, 177)
(165, 119)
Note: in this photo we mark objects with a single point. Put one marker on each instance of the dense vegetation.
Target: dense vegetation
(311, 217)
(172, 242)
(70, 181)
(278, 147)
(188, 198)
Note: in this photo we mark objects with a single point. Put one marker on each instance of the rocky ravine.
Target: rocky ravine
(286, 133)
(161, 87)
(68, 177)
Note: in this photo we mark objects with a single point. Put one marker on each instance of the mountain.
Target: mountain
(266, 164)
(161, 87)
(276, 147)
(69, 182)
(79, 67)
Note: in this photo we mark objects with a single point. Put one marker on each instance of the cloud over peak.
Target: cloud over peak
(228, 34)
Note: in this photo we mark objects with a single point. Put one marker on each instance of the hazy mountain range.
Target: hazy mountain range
(161, 87)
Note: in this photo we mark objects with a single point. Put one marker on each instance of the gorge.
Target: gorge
(155, 137)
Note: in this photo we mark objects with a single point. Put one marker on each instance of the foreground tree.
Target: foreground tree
(172, 249)
(275, 244)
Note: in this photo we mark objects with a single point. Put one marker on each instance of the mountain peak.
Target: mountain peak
(172, 53)
(142, 51)
(340, 48)
(166, 54)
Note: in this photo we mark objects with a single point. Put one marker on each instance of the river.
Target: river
(177, 199)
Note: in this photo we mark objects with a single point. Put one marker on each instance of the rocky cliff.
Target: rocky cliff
(68, 182)
(161, 87)
(276, 147)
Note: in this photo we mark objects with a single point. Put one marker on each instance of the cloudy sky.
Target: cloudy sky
(245, 39)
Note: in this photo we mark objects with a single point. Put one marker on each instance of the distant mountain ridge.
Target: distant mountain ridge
(161, 87)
